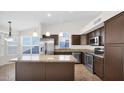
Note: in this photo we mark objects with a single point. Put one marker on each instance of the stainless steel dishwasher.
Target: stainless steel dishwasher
(77, 55)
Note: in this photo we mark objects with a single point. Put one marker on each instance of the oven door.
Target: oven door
(89, 61)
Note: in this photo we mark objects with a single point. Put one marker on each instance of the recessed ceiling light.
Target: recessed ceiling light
(48, 15)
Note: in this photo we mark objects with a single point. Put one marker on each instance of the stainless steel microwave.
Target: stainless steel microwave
(95, 41)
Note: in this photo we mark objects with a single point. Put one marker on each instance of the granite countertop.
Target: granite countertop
(98, 55)
(80, 50)
(73, 50)
(45, 58)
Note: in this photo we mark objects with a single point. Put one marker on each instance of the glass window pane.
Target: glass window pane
(67, 44)
(35, 50)
(62, 44)
(12, 49)
(26, 40)
(12, 43)
(26, 50)
(64, 40)
(35, 40)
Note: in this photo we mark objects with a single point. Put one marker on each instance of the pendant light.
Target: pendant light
(10, 32)
(47, 34)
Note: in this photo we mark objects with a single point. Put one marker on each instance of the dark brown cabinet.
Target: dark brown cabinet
(102, 36)
(115, 29)
(76, 39)
(114, 48)
(98, 32)
(29, 71)
(52, 36)
(59, 71)
(114, 62)
(99, 66)
(44, 71)
(83, 40)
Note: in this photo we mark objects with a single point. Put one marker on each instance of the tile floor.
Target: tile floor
(7, 73)
(82, 74)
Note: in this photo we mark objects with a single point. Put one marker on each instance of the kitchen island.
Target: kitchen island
(44, 68)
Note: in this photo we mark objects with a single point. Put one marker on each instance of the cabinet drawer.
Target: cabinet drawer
(98, 59)
(99, 67)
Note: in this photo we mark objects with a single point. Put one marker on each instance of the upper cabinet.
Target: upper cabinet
(52, 36)
(115, 29)
(102, 34)
(98, 32)
(83, 40)
(76, 39)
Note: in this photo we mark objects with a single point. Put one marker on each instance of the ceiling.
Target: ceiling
(27, 19)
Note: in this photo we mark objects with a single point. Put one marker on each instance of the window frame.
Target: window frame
(31, 46)
(60, 37)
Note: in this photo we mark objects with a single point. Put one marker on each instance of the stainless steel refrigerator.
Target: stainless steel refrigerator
(47, 46)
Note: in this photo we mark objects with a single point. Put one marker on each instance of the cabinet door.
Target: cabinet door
(102, 35)
(114, 29)
(113, 68)
(29, 71)
(59, 71)
(83, 40)
(76, 39)
(98, 67)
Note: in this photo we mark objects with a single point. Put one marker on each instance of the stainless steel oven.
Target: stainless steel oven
(88, 60)
(95, 41)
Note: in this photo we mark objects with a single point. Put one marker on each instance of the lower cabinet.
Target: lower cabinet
(61, 71)
(99, 67)
(114, 57)
(44, 71)
(29, 71)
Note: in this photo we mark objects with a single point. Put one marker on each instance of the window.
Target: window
(12, 47)
(31, 45)
(26, 40)
(64, 40)
(35, 45)
(2, 44)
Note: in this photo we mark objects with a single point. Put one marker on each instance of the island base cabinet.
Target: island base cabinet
(44, 71)
(29, 71)
(59, 72)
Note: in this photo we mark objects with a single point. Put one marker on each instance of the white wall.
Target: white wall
(4, 57)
